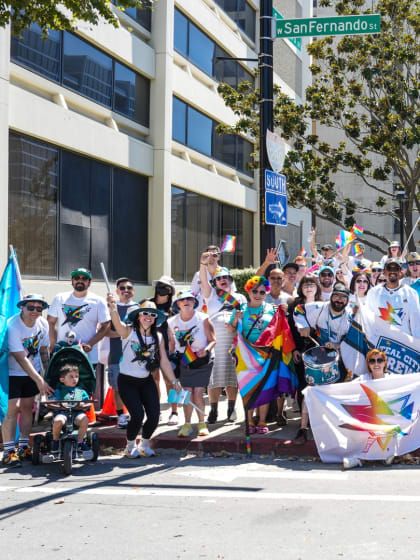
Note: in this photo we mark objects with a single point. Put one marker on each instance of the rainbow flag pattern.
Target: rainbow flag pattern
(356, 249)
(188, 357)
(226, 297)
(229, 244)
(343, 238)
(266, 369)
(313, 269)
(302, 252)
(357, 230)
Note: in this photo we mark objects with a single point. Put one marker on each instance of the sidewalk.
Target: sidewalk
(224, 436)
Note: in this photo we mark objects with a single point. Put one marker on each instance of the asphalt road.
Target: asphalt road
(178, 506)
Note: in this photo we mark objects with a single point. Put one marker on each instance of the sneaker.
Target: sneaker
(83, 450)
(145, 450)
(122, 421)
(132, 452)
(25, 453)
(47, 458)
(262, 428)
(173, 419)
(185, 431)
(212, 417)
(232, 417)
(388, 462)
(351, 462)
(202, 429)
(11, 459)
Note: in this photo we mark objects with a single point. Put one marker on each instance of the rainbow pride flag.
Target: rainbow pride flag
(343, 238)
(356, 249)
(226, 297)
(357, 230)
(229, 244)
(302, 252)
(266, 369)
(188, 356)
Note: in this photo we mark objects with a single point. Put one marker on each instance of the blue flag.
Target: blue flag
(9, 297)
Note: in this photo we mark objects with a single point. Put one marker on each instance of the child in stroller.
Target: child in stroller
(73, 378)
(69, 390)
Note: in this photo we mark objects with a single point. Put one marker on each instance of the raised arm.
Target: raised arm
(205, 284)
(270, 259)
(121, 328)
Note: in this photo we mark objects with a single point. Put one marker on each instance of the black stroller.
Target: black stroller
(68, 439)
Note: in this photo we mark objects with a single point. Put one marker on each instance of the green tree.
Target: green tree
(366, 86)
(49, 14)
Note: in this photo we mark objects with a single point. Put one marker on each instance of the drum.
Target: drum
(321, 366)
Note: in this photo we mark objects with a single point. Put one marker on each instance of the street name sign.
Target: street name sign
(275, 199)
(337, 25)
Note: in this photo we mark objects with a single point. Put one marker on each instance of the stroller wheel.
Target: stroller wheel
(36, 449)
(67, 456)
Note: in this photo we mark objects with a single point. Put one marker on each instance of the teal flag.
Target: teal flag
(9, 297)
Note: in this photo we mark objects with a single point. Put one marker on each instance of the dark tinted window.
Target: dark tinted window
(40, 55)
(242, 13)
(103, 212)
(181, 33)
(198, 220)
(195, 45)
(129, 225)
(87, 70)
(179, 121)
(198, 131)
(131, 94)
(143, 15)
(33, 187)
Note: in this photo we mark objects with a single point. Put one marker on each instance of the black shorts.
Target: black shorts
(22, 386)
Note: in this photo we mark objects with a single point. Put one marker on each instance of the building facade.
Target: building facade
(109, 151)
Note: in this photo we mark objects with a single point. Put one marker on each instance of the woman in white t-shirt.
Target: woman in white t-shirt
(143, 351)
(359, 287)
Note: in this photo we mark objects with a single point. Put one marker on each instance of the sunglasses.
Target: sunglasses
(362, 282)
(326, 274)
(81, 278)
(125, 288)
(376, 361)
(222, 278)
(186, 299)
(309, 285)
(35, 308)
(413, 263)
(149, 314)
(376, 269)
(393, 268)
(261, 292)
(381, 281)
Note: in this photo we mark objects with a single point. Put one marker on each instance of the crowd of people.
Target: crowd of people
(189, 337)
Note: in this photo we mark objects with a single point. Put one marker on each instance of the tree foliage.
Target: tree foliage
(366, 86)
(49, 14)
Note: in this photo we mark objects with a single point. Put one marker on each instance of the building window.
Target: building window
(143, 15)
(196, 130)
(197, 47)
(242, 13)
(198, 221)
(81, 67)
(66, 210)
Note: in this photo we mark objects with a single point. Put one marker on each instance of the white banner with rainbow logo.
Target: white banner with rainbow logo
(372, 420)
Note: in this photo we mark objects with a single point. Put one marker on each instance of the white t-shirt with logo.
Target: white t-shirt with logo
(21, 338)
(80, 315)
(134, 354)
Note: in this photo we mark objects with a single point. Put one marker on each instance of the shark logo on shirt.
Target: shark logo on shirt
(31, 344)
(391, 315)
(142, 353)
(74, 314)
(184, 337)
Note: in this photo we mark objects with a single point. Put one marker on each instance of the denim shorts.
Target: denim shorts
(113, 371)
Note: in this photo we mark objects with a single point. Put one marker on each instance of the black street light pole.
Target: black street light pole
(265, 64)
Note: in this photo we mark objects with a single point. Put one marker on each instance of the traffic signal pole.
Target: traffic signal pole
(265, 64)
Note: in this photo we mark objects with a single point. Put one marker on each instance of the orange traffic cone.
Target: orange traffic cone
(91, 414)
(108, 408)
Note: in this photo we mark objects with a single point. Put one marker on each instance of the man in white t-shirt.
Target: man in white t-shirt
(80, 311)
(28, 341)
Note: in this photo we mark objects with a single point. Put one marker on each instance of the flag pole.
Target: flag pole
(247, 434)
(104, 274)
(18, 275)
(410, 236)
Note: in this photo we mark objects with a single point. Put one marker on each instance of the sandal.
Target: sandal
(252, 428)
(262, 428)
